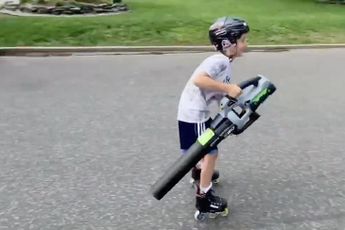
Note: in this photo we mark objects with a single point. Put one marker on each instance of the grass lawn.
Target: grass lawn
(182, 22)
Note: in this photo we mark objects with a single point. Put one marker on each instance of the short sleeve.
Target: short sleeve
(213, 66)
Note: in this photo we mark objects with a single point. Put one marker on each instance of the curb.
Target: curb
(101, 50)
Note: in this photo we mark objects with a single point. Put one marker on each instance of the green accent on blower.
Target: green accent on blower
(206, 137)
(262, 93)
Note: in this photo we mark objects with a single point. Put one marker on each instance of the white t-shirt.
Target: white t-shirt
(195, 103)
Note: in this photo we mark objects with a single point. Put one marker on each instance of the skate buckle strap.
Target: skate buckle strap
(214, 206)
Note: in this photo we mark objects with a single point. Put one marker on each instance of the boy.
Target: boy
(209, 83)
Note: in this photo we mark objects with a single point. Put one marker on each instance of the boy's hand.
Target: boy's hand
(233, 90)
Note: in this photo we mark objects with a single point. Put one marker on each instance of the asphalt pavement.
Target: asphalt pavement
(82, 138)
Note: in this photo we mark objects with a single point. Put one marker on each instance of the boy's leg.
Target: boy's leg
(207, 203)
(207, 169)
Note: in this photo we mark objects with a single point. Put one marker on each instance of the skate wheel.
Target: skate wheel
(194, 183)
(199, 216)
(225, 212)
(216, 181)
(213, 215)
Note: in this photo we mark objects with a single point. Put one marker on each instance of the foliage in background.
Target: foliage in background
(181, 22)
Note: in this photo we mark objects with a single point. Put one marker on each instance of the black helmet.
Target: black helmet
(226, 30)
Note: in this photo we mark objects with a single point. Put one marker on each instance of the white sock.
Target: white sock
(205, 190)
(198, 165)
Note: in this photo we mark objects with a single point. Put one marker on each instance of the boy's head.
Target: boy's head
(229, 36)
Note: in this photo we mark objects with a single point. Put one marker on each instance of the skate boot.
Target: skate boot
(195, 178)
(209, 205)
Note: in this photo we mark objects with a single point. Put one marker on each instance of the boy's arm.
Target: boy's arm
(204, 81)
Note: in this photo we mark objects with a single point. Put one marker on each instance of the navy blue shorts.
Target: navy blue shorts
(189, 133)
